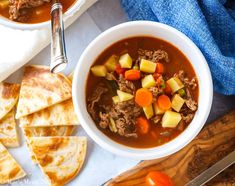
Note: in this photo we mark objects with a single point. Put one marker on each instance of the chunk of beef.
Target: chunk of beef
(128, 106)
(187, 117)
(104, 120)
(191, 104)
(193, 83)
(155, 91)
(160, 54)
(188, 83)
(181, 125)
(95, 97)
(156, 119)
(125, 85)
(154, 55)
(124, 115)
(125, 128)
(189, 108)
(16, 6)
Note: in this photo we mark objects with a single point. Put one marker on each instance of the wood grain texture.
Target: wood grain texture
(213, 143)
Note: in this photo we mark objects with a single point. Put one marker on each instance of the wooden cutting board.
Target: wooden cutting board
(213, 143)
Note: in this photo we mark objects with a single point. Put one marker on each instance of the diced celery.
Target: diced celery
(125, 61)
(147, 66)
(182, 92)
(157, 109)
(171, 119)
(148, 81)
(163, 84)
(177, 102)
(111, 63)
(4, 4)
(115, 99)
(148, 111)
(99, 70)
(135, 67)
(123, 96)
(175, 84)
(112, 125)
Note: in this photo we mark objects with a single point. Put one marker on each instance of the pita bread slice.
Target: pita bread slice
(9, 94)
(45, 131)
(59, 114)
(60, 158)
(10, 170)
(8, 131)
(40, 89)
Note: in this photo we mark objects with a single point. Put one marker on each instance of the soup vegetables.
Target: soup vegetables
(159, 96)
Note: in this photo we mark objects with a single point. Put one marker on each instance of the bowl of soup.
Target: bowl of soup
(142, 89)
(28, 14)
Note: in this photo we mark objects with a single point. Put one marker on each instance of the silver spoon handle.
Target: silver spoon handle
(58, 52)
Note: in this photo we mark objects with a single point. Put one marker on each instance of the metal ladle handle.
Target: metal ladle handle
(58, 52)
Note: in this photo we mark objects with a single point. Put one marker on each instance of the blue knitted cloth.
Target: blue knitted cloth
(209, 23)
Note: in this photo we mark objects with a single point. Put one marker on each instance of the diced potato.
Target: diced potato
(147, 66)
(148, 81)
(111, 63)
(125, 61)
(136, 67)
(4, 4)
(115, 99)
(99, 70)
(112, 125)
(123, 96)
(175, 84)
(148, 111)
(171, 119)
(177, 102)
(157, 109)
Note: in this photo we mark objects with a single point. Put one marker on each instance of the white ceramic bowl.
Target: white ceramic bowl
(143, 28)
(28, 26)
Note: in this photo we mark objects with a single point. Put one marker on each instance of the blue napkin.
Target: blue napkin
(209, 23)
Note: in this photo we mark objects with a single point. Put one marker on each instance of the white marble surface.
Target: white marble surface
(100, 165)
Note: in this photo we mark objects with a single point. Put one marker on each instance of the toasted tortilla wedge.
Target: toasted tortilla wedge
(48, 131)
(8, 131)
(9, 94)
(41, 89)
(56, 115)
(45, 131)
(10, 170)
(60, 158)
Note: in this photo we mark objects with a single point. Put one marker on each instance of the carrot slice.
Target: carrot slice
(164, 102)
(132, 74)
(160, 68)
(142, 125)
(143, 97)
(156, 178)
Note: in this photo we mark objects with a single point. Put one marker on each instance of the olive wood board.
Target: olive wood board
(214, 142)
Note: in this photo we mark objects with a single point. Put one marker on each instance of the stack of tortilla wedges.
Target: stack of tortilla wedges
(47, 118)
(10, 170)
